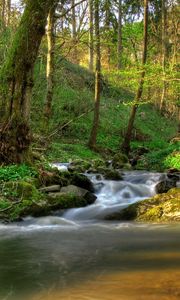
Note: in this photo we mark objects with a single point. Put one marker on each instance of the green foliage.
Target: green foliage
(168, 157)
(16, 172)
(173, 160)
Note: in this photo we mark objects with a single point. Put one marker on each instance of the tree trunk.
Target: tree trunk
(3, 6)
(119, 47)
(50, 64)
(16, 79)
(93, 135)
(91, 37)
(107, 28)
(125, 147)
(164, 52)
(8, 12)
(74, 32)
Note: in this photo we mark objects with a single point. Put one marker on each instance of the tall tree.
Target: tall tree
(3, 6)
(8, 12)
(107, 29)
(50, 63)
(164, 51)
(125, 147)
(93, 135)
(119, 47)
(16, 80)
(74, 31)
(91, 36)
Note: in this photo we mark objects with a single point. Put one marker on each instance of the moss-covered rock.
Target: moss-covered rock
(160, 208)
(119, 160)
(79, 165)
(112, 174)
(19, 199)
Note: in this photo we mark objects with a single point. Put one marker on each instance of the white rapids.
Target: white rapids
(116, 195)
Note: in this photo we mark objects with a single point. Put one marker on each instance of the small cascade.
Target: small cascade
(113, 196)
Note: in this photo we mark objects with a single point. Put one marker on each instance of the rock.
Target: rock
(82, 181)
(79, 166)
(50, 189)
(119, 160)
(80, 192)
(112, 175)
(96, 163)
(160, 208)
(165, 185)
(173, 174)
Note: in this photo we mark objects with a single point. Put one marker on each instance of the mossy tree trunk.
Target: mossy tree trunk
(50, 64)
(16, 82)
(93, 135)
(125, 147)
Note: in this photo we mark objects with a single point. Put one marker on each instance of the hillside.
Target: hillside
(71, 121)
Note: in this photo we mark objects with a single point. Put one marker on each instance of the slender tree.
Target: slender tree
(164, 51)
(93, 135)
(125, 147)
(50, 63)
(3, 6)
(16, 82)
(119, 47)
(91, 36)
(8, 12)
(107, 29)
(74, 31)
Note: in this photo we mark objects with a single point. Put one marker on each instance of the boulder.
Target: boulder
(79, 165)
(79, 192)
(165, 185)
(160, 208)
(112, 174)
(81, 181)
(119, 160)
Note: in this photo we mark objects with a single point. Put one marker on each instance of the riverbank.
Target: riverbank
(44, 190)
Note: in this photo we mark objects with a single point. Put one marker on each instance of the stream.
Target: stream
(79, 256)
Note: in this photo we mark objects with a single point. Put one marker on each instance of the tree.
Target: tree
(50, 63)
(93, 135)
(91, 36)
(74, 32)
(119, 47)
(164, 51)
(125, 147)
(16, 80)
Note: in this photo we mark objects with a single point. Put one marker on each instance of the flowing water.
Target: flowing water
(79, 256)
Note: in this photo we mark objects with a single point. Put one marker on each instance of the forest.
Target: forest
(89, 135)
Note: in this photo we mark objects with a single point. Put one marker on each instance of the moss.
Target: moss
(119, 160)
(160, 208)
(20, 190)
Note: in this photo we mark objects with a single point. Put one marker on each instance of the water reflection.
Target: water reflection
(94, 261)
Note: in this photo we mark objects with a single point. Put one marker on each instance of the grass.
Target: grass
(73, 96)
